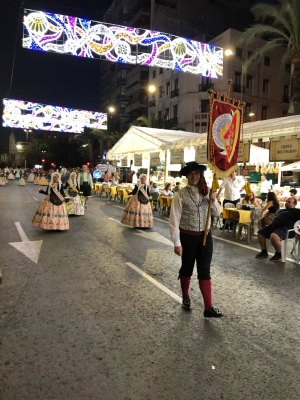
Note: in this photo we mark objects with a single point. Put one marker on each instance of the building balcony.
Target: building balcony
(205, 87)
(152, 103)
(238, 88)
(121, 82)
(174, 93)
(137, 105)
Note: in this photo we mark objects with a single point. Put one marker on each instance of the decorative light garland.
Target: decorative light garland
(28, 115)
(86, 38)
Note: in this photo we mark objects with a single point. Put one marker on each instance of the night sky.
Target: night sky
(46, 78)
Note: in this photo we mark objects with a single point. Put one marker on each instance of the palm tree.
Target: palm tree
(156, 122)
(36, 151)
(87, 139)
(106, 139)
(279, 26)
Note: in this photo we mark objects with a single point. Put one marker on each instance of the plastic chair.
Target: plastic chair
(104, 189)
(155, 199)
(229, 221)
(296, 242)
(255, 216)
(163, 206)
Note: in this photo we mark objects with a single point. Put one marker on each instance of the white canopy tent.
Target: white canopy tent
(292, 167)
(139, 139)
(143, 140)
(270, 128)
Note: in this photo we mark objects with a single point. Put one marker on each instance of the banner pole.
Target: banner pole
(229, 83)
(207, 219)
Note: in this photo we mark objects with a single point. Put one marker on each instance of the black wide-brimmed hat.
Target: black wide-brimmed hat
(192, 166)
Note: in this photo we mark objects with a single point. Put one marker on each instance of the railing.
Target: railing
(238, 88)
(152, 103)
(174, 93)
(205, 87)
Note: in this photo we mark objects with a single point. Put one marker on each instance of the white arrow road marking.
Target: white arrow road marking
(157, 237)
(155, 282)
(30, 249)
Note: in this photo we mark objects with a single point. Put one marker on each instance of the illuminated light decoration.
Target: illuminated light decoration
(86, 38)
(28, 115)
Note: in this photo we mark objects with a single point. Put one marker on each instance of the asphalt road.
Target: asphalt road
(97, 314)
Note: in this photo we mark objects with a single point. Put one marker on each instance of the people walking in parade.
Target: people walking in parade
(52, 213)
(188, 217)
(75, 205)
(138, 210)
(85, 183)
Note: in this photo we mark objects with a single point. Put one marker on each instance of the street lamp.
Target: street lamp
(152, 90)
(111, 111)
(229, 52)
(27, 131)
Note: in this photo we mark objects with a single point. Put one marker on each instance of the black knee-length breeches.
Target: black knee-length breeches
(192, 250)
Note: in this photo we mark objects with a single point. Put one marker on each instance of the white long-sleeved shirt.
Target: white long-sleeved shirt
(232, 188)
(87, 177)
(265, 186)
(176, 210)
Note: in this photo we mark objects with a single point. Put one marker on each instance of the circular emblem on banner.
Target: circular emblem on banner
(219, 128)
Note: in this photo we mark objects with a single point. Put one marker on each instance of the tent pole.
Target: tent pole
(166, 167)
(148, 171)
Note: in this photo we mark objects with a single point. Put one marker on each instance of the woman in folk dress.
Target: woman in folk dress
(75, 205)
(138, 211)
(52, 213)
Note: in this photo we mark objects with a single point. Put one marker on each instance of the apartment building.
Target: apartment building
(264, 87)
(125, 86)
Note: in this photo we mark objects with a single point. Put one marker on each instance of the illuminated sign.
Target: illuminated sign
(86, 38)
(28, 115)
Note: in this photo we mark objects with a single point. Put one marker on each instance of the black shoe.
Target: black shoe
(262, 254)
(276, 257)
(186, 303)
(212, 312)
(222, 228)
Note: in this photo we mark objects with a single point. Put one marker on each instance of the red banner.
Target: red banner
(225, 122)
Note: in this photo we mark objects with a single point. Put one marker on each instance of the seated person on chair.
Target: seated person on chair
(270, 209)
(154, 188)
(177, 187)
(293, 193)
(167, 190)
(283, 220)
(250, 200)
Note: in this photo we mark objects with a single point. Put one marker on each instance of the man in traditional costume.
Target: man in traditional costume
(85, 183)
(187, 225)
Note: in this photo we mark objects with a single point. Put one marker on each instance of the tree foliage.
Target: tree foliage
(279, 25)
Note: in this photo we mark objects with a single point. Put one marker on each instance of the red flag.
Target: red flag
(225, 122)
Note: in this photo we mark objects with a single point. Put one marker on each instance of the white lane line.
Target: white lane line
(36, 199)
(247, 247)
(157, 219)
(226, 241)
(155, 282)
